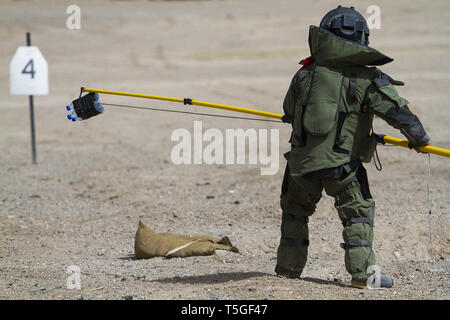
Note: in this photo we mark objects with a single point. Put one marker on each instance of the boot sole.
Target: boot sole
(363, 285)
(359, 284)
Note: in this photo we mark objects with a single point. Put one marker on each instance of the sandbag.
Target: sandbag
(149, 244)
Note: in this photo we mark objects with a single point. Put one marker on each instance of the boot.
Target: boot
(286, 273)
(385, 282)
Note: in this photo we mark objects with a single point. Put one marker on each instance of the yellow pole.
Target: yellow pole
(193, 102)
(425, 149)
(386, 139)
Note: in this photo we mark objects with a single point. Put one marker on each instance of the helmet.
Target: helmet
(347, 23)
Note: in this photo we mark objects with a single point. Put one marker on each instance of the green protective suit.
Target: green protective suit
(331, 103)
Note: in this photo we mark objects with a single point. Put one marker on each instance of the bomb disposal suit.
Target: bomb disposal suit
(331, 103)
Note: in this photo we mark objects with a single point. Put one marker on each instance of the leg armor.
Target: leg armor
(356, 210)
(298, 201)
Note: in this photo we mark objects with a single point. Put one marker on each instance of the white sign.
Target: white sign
(28, 72)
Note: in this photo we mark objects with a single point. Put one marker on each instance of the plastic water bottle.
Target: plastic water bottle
(73, 116)
(97, 103)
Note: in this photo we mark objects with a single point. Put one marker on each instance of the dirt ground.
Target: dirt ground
(81, 204)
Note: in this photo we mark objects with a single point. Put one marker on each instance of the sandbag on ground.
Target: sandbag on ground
(149, 244)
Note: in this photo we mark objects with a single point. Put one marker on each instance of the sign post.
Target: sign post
(33, 135)
(28, 73)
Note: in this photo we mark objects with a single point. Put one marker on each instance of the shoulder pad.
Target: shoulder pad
(300, 75)
(395, 82)
(383, 79)
(385, 85)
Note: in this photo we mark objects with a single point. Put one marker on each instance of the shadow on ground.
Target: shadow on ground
(129, 257)
(238, 276)
(325, 282)
(213, 278)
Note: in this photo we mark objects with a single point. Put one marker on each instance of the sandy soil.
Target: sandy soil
(95, 180)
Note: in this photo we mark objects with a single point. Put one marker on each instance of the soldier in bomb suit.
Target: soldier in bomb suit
(331, 103)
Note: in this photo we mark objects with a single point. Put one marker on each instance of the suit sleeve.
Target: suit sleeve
(384, 101)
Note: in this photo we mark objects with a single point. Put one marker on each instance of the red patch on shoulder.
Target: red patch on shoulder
(306, 62)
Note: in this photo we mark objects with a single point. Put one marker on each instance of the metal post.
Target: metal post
(33, 135)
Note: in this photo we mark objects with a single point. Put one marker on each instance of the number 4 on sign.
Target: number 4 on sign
(29, 65)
